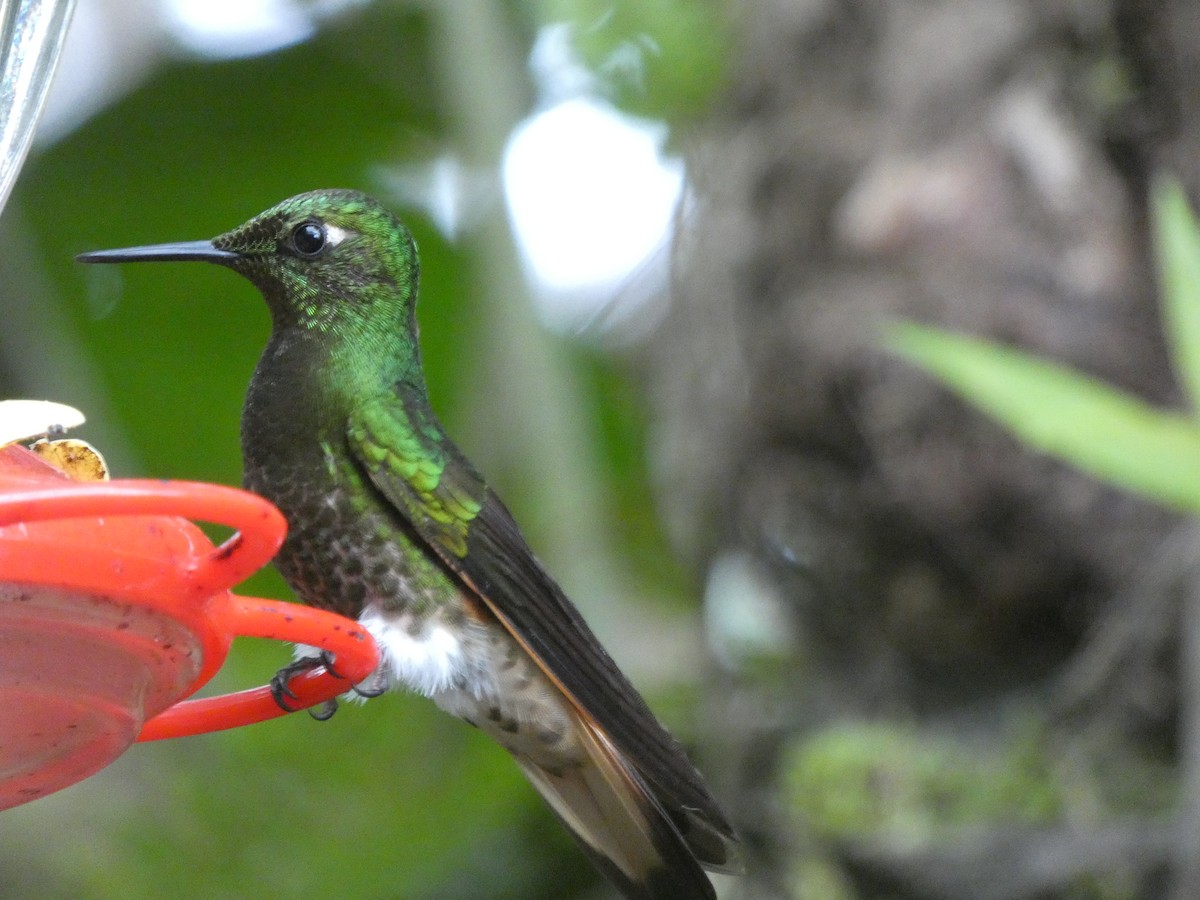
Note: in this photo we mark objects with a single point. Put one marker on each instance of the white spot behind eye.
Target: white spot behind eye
(335, 235)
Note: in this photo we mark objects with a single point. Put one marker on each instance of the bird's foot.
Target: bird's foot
(377, 690)
(280, 681)
(281, 689)
(322, 712)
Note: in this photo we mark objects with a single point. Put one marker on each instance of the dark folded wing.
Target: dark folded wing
(407, 456)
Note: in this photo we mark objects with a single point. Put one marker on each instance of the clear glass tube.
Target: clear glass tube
(31, 37)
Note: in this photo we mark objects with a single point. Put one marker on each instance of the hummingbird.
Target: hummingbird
(390, 524)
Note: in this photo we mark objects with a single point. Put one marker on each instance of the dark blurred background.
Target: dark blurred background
(659, 241)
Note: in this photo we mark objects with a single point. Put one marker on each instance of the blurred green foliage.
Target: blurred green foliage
(1100, 429)
(915, 789)
(852, 781)
(657, 58)
(393, 800)
(872, 778)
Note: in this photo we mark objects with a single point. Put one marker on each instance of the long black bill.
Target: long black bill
(181, 251)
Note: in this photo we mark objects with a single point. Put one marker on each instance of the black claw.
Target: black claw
(280, 681)
(279, 690)
(327, 660)
(368, 693)
(323, 712)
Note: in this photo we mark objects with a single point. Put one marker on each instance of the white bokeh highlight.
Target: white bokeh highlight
(591, 197)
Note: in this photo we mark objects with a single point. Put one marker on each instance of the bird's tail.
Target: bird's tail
(619, 824)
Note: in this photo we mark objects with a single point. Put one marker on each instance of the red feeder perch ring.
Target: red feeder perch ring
(114, 607)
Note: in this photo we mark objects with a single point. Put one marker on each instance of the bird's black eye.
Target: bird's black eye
(309, 238)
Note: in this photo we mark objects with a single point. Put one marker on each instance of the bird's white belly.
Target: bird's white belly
(428, 656)
(476, 673)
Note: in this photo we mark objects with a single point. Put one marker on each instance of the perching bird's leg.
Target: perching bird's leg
(280, 681)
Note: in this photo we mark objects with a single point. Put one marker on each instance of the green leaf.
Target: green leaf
(1100, 429)
(1177, 240)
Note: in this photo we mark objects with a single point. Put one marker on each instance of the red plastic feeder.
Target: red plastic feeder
(113, 608)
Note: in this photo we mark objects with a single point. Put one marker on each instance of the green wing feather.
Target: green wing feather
(408, 457)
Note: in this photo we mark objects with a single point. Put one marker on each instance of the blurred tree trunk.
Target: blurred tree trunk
(955, 614)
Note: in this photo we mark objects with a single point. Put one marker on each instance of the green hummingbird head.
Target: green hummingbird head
(331, 261)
